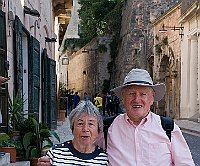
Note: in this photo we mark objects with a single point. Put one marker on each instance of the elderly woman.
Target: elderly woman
(86, 123)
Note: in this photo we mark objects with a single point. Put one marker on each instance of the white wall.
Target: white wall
(190, 70)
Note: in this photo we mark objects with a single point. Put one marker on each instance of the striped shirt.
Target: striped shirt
(66, 155)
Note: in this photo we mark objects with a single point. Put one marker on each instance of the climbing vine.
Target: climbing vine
(164, 42)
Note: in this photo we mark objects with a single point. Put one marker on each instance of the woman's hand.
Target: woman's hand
(3, 79)
(44, 161)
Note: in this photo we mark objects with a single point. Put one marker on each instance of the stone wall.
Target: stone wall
(167, 61)
(135, 49)
(88, 67)
(186, 4)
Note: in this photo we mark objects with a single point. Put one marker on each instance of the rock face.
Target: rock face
(136, 36)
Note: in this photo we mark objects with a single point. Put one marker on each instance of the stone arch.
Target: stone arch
(166, 105)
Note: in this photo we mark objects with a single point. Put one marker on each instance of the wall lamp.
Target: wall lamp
(174, 28)
(11, 20)
(32, 12)
(84, 51)
(65, 60)
(51, 40)
(87, 50)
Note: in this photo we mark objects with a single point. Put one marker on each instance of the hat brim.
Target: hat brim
(158, 88)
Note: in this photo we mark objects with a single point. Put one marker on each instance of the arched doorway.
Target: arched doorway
(169, 105)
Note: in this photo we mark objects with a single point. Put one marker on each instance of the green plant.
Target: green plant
(158, 48)
(6, 141)
(3, 138)
(15, 108)
(165, 41)
(38, 140)
(102, 48)
(62, 95)
(157, 37)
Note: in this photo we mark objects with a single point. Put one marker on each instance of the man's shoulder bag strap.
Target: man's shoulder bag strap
(167, 125)
(106, 124)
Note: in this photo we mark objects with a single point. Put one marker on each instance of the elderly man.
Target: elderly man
(137, 138)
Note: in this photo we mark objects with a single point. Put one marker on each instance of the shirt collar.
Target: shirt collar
(144, 121)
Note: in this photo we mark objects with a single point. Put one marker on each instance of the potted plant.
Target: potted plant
(8, 145)
(16, 115)
(62, 102)
(38, 140)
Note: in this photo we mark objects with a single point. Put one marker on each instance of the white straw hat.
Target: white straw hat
(142, 78)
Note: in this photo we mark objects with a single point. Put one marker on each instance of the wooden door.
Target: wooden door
(3, 72)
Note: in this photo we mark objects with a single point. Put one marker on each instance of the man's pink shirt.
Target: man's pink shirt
(146, 144)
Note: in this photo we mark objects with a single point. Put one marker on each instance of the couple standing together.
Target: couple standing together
(135, 138)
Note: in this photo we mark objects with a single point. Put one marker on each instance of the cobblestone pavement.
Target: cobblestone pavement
(189, 126)
(64, 132)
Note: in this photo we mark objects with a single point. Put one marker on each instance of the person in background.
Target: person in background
(76, 99)
(86, 123)
(115, 103)
(98, 102)
(104, 104)
(109, 104)
(3, 79)
(86, 97)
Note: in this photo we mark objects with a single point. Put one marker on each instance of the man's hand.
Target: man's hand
(3, 79)
(44, 161)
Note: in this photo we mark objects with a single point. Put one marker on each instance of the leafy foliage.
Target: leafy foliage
(97, 17)
(62, 94)
(102, 48)
(6, 141)
(36, 141)
(4, 137)
(15, 108)
(165, 41)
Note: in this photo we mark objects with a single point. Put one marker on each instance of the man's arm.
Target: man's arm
(181, 154)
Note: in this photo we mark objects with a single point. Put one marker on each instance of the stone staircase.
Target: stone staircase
(5, 161)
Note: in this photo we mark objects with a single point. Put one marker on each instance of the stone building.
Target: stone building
(87, 67)
(175, 62)
(166, 58)
(190, 60)
(27, 54)
(135, 49)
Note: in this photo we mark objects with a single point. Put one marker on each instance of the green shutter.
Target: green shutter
(18, 58)
(34, 76)
(45, 93)
(3, 72)
(52, 82)
(49, 113)
(2, 30)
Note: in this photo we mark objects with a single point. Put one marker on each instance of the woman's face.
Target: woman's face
(85, 129)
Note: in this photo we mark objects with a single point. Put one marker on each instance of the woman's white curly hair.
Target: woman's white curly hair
(86, 107)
